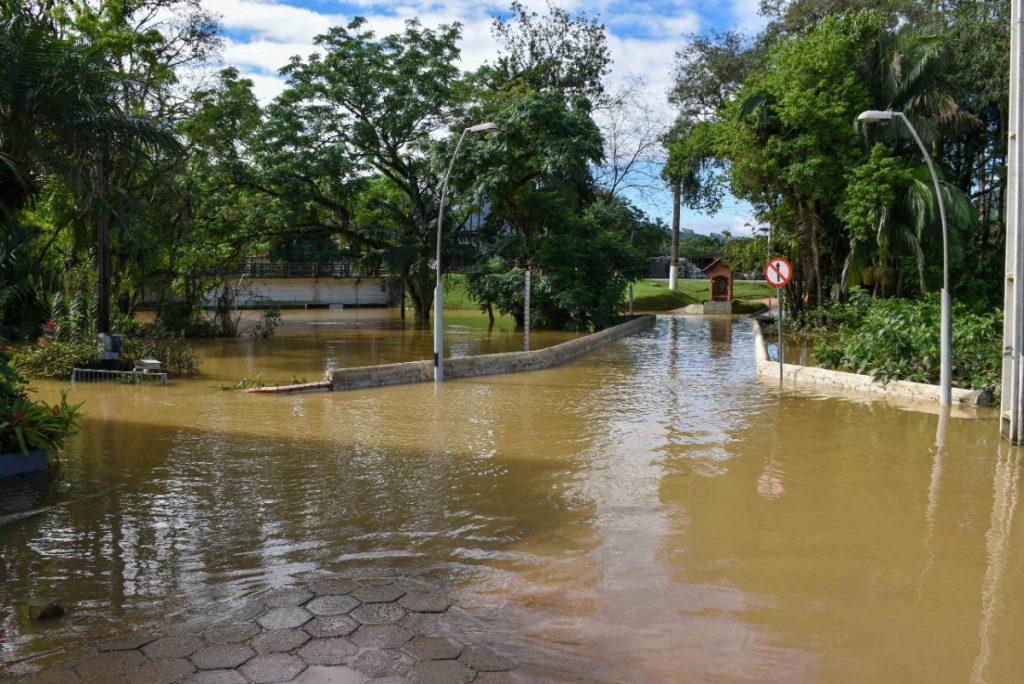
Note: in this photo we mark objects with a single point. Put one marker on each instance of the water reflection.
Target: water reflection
(648, 510)
(994, 594)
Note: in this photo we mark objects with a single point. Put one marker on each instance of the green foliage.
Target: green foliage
(746, 254)
(245, 383)
(56, 358)
(268, 323)
(898, 339)
(695, 246)
(26, 425)
(666, 300)
(558, 53)
(175, 354)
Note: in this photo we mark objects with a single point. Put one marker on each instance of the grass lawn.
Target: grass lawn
(653, 295)
(648, 294)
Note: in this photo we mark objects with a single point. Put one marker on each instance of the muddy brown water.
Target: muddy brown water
(648, 513)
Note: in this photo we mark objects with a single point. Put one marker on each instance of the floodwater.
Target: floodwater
(648, 513)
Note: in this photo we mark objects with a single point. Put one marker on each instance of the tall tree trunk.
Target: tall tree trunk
(676, 200)
(103, 252)
(814, 221)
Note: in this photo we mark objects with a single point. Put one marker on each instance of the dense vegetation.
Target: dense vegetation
(773, 120)
(129, 170)
(26, 424)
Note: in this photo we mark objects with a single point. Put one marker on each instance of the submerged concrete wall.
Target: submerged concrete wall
(485, 364)
(823, 377)
(364, 291)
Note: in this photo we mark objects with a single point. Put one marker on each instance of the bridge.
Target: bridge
(262, 283)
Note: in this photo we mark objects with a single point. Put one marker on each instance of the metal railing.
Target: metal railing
(131, 377)
(260, 268)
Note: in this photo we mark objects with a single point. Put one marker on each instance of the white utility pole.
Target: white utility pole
(1011, 407)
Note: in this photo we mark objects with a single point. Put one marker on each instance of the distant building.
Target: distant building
(659, 267)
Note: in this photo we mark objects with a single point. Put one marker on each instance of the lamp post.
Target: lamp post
(946, 323)
(481, 129)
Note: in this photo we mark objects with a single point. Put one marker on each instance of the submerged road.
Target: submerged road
(648, 513)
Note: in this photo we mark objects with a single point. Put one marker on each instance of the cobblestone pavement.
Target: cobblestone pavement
(332, 630)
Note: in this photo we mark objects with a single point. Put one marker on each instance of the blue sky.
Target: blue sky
(261, 35)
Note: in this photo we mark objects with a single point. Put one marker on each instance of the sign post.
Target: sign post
(777, 273)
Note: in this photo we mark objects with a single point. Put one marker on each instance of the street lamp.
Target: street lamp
(480, 129)
(946, 323)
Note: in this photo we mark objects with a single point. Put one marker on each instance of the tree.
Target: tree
(378, 101)
(536, 178)
(632, 130)
(555, 53)
(62, 122)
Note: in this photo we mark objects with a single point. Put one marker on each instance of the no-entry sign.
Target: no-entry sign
(778, 272)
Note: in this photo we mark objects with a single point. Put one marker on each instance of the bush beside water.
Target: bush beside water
(898, 339)
(25, 424)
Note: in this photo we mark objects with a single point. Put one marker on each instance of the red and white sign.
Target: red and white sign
(778, 272)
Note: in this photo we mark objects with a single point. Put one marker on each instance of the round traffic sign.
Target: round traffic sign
(778, 272)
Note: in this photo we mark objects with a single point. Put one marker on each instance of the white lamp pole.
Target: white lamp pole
(482, 129)
(946, 323)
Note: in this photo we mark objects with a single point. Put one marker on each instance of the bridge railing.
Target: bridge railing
(260, 268)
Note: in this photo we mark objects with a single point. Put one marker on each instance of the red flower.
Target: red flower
(48, 328)
(43, 342)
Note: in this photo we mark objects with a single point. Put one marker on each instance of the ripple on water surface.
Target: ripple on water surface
(650, 512)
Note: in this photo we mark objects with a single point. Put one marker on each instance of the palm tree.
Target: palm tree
(61, 120)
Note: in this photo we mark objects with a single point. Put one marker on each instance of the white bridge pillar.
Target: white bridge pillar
(1011, 416)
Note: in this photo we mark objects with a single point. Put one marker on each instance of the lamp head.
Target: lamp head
(874, 116)
(483, 128)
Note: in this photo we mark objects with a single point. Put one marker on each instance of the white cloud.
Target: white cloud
(264, 55)
(266, 88)
(273, 21)
(746, 14)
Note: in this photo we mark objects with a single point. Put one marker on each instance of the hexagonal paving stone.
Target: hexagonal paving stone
(441, 672)
(57, 675)
(193, 626)
(433, 648)
(173, 647)
(231, 632)
(286, 596)
(109, 665)
(163, 671)
(378, 613)
(484, 659)
(381, 636)
(222, 656)
(499, 678)
(428, 624)
(331, 626)
(272, 668)
(250, 610)
(378, 594)
(383, 663)
(420, 602)
(125, 643)
(279, 640)
(284, 618)
(377, 581)
(334, 585)
(332, 605)
(216, 677)
(330, 651)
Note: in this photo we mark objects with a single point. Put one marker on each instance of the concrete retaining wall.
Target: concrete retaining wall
(823, 377)
(486, 364)
(368, 291)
